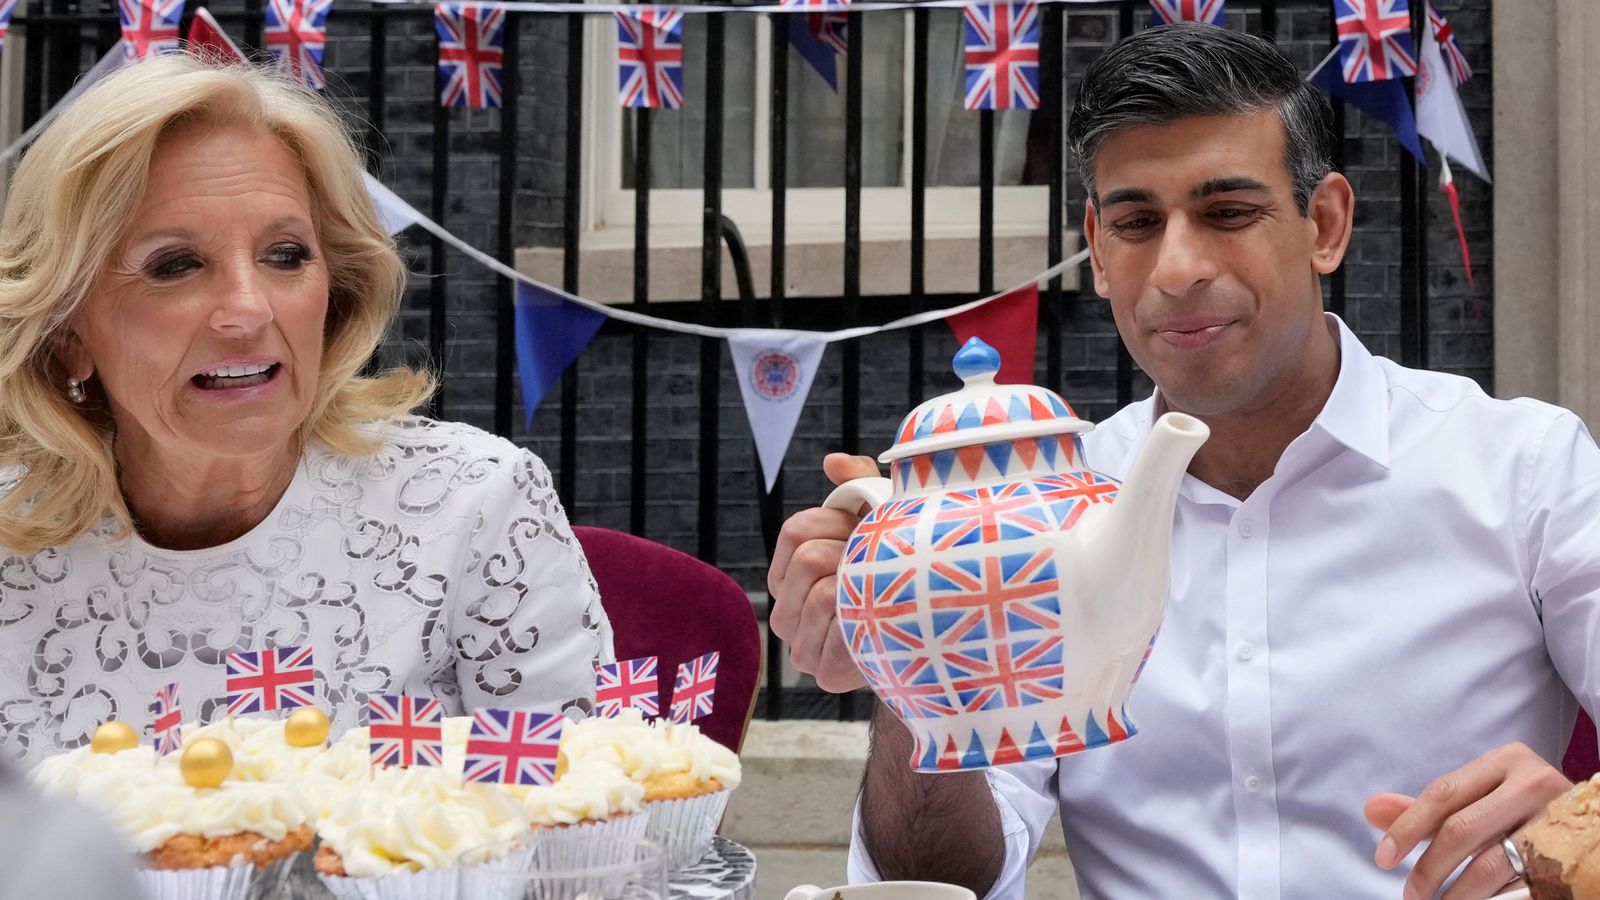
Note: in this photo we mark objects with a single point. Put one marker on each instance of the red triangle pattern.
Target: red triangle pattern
(993, 414)
(946, 422)
(1007, 751)
(1039, 411)
(971, 459)
(923, 466)
(1067, 740)
(950, 758)
(1114, 729)
(1028, 450)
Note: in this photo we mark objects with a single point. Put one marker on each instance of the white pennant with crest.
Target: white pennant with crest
(775, 370)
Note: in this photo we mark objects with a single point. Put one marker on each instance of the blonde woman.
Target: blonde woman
(191, 278)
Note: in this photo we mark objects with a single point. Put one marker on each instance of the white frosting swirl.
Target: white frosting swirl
(149, 802)
(404, 820)
(590, 790)
(650, 750)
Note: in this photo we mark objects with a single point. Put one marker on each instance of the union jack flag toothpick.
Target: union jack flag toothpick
(268, 680)
(694, 691)
(620, 685)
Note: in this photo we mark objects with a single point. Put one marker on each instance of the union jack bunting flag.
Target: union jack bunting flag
(821, 38)
(7, 7)
(267, 680)
(513, 747)
(817, 4)
(1374, 39)
(1002, 55)
(149, 27)
(471, 51)
(631, 682)
(650, 57)
(169, 718)
(1168, 12)
(1454, 59)
(696, 683)
(405, 731)
(296, 32)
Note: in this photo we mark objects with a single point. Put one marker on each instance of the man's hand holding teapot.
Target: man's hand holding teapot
(803, 580)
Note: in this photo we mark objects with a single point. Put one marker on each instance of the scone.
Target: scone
(1562, 849)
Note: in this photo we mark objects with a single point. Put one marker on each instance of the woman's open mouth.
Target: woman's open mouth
(229, 377)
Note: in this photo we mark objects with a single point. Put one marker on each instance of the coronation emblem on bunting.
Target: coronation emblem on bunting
(1374, 39)
(1002, 56)
(1454, 59)
(149, 27)
(513, 747)
(630, 683)
(405, 731)
(1170, 12)
(471, 53)
(650, 57)
(267, 680)
(296, 34)
(693, 692)
(169, 719)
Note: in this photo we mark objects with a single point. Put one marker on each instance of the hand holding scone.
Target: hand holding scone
(803, 581)
(1464, 814)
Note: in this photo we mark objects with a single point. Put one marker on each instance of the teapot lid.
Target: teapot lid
(982, 412)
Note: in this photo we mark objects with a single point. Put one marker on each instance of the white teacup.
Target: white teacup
(883, 890)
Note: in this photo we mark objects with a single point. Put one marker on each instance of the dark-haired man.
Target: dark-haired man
(1382, 579)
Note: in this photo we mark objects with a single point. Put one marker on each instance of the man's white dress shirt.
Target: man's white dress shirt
(1417, 583)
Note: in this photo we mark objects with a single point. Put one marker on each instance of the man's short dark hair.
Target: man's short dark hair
(1160, 75)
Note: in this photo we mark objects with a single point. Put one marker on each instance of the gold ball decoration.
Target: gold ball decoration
(206, 762)
(306, 727)
(114, 736)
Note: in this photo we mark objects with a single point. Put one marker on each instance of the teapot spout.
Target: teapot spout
(1134, 540)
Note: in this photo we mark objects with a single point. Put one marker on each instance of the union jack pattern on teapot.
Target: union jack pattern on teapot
(960, 592)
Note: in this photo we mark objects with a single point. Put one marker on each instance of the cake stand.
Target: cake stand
(726, 872)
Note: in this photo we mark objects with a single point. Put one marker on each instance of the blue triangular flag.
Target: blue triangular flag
(552, 331)
(1386, 100)
(820, 39)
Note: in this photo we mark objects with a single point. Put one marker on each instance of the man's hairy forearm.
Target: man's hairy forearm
(927, 827)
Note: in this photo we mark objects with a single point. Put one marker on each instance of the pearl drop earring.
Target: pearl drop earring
(75, 391)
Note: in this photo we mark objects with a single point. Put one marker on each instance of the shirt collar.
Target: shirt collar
(1356, 413)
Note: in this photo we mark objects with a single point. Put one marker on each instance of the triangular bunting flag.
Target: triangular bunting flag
(149, 27)
(7, 7)
(296, 33)
(1010, 324)
(1171, 12)
(397, 215)
(1384, 99)
(650, 57)
(551, 332)
(775, 370)
(207, 39)
(1440, 116)
(820, 37)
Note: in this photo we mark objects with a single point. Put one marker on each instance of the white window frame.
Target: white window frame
(814, 215)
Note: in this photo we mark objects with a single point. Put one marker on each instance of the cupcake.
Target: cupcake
(209, 843)
(686, 776)
(1562, 848)
(592, 797)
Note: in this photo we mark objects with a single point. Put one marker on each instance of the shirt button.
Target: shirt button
(1247, 652)
(1247, 528)
(1252, 783)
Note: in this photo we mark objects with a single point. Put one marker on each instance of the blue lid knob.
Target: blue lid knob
(976, 361)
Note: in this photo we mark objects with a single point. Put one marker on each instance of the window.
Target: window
(815, 201)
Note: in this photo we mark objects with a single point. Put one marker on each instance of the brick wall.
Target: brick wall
(1459, 319)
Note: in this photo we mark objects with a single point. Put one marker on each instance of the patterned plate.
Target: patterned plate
(726, 872)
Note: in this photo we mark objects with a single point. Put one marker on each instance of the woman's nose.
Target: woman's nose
(243, 306)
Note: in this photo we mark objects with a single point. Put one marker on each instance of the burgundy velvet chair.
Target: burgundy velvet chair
(668, 604)
(1583, 756)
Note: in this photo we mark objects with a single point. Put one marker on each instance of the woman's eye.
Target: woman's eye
(289, 255)
(173, 266)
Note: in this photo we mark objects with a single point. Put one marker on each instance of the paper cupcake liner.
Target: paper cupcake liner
(240, 882)
(684, 827)
(429, 884)
(583, 855)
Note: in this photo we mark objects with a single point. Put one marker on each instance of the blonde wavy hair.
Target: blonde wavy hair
(73, 198)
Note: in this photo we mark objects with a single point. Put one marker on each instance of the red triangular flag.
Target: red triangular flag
(1010, 324)
(207, 39)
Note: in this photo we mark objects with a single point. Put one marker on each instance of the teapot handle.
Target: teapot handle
(871, 491)
(803, 892)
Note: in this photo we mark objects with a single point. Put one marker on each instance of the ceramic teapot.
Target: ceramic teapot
(1001, 597)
